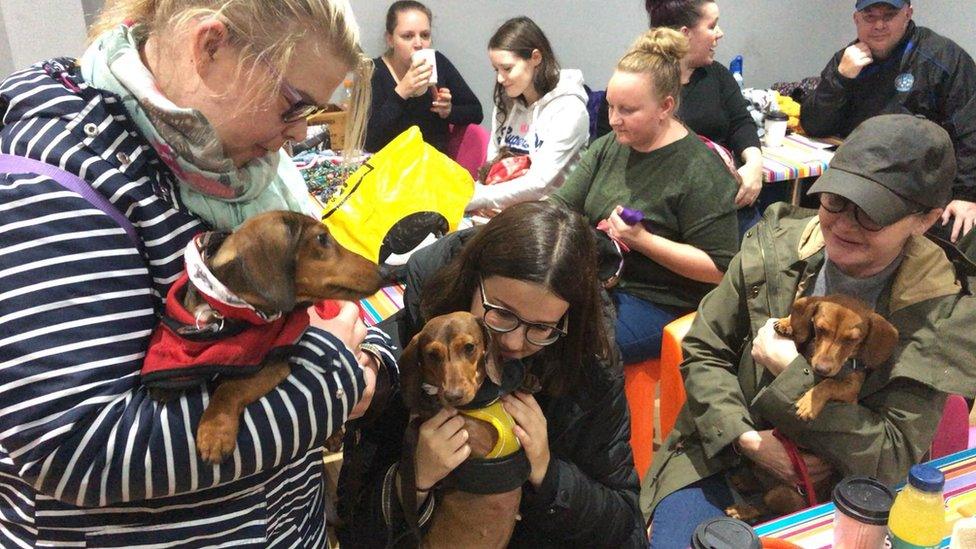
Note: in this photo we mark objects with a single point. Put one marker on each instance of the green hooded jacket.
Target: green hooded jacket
(892, 425)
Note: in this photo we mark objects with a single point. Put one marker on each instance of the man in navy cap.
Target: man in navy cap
(895, 66)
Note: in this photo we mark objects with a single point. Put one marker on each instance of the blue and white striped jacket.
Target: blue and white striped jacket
(87, 459)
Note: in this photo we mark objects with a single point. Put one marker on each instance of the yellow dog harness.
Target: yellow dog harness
(495, 415)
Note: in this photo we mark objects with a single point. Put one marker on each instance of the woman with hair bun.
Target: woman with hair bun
(653, 164)
(711, 100)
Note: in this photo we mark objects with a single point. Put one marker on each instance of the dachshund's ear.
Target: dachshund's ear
(258, 262)
(410, 374)
(801, 318)
(492, 358)
(880, 341)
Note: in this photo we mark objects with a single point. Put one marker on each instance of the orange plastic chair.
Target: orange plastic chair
(641, 381)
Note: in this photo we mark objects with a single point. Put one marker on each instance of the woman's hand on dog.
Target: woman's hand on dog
(773, 351)
(346, 325)
(765, 450)
(442, 444)
(532, 431)
(349, 328)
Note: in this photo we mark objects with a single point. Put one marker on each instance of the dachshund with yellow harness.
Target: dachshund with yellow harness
(451, 362)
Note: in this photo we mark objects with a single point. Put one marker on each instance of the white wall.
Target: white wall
(781, 40)
(6, 61)
(33, 30)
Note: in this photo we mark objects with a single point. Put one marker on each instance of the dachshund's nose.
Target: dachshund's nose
(453, 396)
(823, 369)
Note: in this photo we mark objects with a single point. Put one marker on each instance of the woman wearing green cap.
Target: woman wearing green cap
(886, 186)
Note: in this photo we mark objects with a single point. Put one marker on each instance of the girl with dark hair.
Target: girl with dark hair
(403, 94)
(540, 111)
(711, 100)
(534, 265)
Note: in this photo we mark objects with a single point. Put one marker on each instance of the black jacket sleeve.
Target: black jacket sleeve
(742, 128)
(958, 104)
(386, 109)
(597, 507)
(465, 107)
(824, 110)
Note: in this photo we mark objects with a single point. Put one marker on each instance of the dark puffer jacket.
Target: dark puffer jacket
(926, 74)
(588, 497)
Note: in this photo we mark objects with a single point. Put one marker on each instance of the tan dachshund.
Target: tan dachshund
(277, 262)
(832, 332)
(445, 365)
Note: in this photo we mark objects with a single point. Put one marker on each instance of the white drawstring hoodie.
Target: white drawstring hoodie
(552, 131)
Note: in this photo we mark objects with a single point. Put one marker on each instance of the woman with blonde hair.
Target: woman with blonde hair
(170, 124)
(653, 164)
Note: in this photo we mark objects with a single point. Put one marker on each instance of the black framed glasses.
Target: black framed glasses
(835, 203)
(298, 107)
(501, 320)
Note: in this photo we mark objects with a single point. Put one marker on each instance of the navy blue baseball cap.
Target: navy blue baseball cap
(864, 4)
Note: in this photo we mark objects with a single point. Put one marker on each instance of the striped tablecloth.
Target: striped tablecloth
(813, 528)
(381, 305)
(798, 157)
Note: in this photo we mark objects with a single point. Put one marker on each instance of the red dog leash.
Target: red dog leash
(799, 466)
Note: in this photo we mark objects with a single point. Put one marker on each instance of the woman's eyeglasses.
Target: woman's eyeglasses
(834, 203)
(501, 320)
(298, 107)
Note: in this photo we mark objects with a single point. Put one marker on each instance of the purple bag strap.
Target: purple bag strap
(18, 164)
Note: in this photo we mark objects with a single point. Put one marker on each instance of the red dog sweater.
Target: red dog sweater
(236, 341)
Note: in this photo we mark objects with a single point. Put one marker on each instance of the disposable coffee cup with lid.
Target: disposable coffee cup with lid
(775, 123)
(725, 533)
(861, 517)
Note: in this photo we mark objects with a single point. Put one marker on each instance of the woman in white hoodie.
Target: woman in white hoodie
(540, 111)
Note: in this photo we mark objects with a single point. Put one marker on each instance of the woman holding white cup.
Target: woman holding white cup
(419, 86)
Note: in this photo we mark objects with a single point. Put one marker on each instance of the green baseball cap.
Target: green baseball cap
(891, 166)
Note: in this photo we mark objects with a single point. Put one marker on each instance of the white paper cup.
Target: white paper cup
(428, 56)
(775, 126)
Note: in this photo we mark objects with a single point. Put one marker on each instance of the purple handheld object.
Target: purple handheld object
(631, 217)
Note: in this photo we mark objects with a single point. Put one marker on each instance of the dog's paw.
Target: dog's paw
(808, 408)
(783, 327)
(217, 437)
(743, 512)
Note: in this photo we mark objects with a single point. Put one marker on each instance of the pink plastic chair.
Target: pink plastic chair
(952, 434)
(468, 146)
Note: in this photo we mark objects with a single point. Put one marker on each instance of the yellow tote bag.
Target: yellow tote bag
(405, 195)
